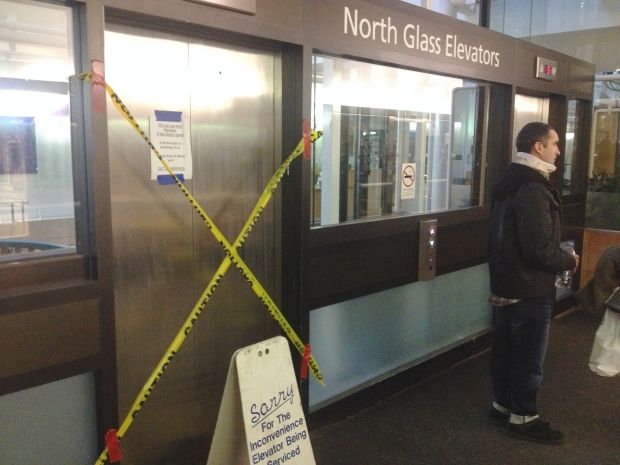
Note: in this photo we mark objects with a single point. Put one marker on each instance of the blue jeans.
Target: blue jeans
(518, 348)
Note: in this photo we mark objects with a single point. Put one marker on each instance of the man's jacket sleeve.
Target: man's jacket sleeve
(538, 227)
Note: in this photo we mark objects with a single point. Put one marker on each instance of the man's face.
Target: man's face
(548, 151)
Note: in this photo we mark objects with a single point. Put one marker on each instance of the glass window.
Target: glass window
(584, 29)
(571, 177)
(36, 176)
(604, 167)
(606, 159)
(603, 198)
(395, 141)
(465, 10)
(512, 17)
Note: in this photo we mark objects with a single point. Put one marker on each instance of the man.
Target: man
(525, 256)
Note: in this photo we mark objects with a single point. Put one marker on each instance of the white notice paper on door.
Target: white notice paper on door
(169, 132)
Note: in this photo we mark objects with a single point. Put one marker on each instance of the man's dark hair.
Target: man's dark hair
(532, 133)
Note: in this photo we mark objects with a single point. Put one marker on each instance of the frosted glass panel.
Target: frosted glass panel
(50, 424)
(362, 340)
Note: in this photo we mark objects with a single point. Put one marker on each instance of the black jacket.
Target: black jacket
(525, 255)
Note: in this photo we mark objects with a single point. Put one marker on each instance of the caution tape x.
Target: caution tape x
(232, 256)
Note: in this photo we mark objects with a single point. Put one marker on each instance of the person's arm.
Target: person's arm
(532, 206)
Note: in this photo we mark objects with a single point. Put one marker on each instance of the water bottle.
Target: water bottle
(565, 278)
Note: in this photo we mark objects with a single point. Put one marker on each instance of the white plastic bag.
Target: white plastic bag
(613, 301)
(605, 356)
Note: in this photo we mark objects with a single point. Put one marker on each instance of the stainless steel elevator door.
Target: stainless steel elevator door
(164, 255)
(528, 110)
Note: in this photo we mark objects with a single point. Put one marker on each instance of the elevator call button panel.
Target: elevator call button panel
(427, 250)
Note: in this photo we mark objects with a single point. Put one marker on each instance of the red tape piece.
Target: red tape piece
(303, 372)
(306, 133)
(114, 446)
(98, 85)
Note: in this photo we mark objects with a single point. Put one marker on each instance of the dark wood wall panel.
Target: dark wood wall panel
(47, 295)
(41, 338)
(359, 267)
(25, 273)
(462, 246)
(355, 267)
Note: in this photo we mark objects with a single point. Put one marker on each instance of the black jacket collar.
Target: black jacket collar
(516, 176)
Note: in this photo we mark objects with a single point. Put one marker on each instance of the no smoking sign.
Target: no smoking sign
(408, 175)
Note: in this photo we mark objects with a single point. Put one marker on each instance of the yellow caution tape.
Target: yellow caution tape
(231, 257)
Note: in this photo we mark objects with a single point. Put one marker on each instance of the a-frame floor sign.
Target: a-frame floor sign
(261, 420)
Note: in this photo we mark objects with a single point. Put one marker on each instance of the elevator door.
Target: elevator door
(528, 110)
(164, 256)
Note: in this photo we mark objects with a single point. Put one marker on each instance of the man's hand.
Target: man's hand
(577, 263)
